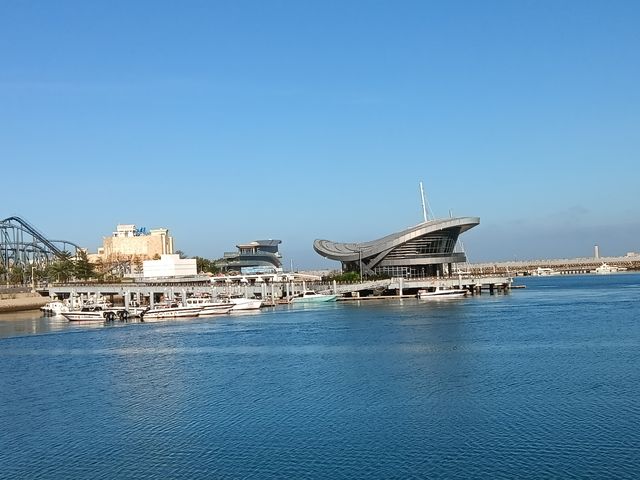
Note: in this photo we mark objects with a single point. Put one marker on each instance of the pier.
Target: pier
(271, 290)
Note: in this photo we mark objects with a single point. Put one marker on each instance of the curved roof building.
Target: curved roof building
(423, 250)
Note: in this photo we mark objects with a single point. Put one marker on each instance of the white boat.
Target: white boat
(171, 310)
(242, 303)
(92, 313)
(440, 292)
(88, 314)
(55, 308)
(543, 272)
(208, 307)
(605, 268)
(309, 296)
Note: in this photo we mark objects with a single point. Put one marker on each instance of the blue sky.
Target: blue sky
(232, 121)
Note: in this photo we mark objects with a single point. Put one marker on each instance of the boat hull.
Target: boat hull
(168, 313)
(212, 310)
(245, 304)
(84, 316)
(315, 299)
(442, 294)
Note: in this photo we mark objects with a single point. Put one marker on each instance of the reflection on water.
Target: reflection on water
(29, 322)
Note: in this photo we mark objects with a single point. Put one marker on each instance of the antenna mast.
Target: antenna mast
(424, 208)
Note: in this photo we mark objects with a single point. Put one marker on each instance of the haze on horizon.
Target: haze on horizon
(229, 122)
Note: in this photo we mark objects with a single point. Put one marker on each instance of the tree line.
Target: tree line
(66, 268)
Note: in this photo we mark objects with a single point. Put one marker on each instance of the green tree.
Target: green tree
(62, 269)
(16, 275)
(82, 267)
(206, 265)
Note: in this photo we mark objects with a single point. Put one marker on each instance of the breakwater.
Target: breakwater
(561, 265)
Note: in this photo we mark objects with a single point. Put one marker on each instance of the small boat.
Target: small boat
(171, 310)
(90, 313)
(440, 292)
(215, 309)
(309, 296)
(605, 268)
(242, 303)
(54, 308)
(208, 307)
(543, 272)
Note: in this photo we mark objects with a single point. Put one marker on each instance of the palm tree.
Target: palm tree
(62, 269)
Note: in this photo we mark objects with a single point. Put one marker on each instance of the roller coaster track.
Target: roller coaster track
(22, 244)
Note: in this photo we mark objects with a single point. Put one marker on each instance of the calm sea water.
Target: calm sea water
(541, 383)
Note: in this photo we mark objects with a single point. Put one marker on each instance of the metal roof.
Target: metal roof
(348, 252)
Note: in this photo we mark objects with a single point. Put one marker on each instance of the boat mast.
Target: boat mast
(424, 207)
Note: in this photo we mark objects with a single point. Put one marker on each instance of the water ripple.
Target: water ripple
(536, 384)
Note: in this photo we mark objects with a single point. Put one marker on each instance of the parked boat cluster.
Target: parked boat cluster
(197, 306)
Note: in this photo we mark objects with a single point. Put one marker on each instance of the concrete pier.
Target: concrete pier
(271, 291)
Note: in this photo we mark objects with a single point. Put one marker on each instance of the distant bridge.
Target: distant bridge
(565, 265)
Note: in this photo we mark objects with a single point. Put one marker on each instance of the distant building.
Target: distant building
(169, 266)
(259, 256)
(428, 249)
(129, 242)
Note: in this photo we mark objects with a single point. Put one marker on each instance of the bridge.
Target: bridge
(563, 266)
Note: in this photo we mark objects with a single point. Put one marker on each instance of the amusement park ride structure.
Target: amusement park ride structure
(22, 245)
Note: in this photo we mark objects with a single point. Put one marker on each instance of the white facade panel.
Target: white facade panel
(169, 266)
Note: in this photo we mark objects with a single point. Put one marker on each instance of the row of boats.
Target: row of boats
(191, 307)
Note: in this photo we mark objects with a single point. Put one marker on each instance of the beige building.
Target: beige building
(130, 243)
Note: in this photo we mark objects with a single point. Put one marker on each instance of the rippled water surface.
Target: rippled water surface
(541, 383)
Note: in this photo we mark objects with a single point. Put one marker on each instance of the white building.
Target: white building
(169, 266)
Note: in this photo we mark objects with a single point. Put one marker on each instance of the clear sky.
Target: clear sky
(233, 121)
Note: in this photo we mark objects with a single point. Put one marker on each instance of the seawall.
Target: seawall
(17, 301)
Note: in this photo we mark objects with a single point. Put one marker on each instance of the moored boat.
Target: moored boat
(605, 268)
(88, 314)
(440, 292)
(242, 303)
(171, 310)
(309, 296)
(54, 308)
(543, 272)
